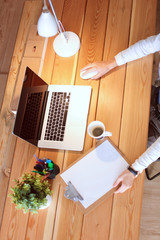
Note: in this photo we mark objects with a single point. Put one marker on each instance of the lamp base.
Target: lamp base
(66, 48)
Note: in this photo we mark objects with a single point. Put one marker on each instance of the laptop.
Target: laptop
(52, 116)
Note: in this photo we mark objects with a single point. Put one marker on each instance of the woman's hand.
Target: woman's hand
(101, 67)
(125, 180)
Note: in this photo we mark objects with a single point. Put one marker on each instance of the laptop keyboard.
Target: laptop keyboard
(57, 116)
(31, 115)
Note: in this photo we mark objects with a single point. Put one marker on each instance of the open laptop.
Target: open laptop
(52, 116)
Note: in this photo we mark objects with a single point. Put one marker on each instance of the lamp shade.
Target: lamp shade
(46, 25)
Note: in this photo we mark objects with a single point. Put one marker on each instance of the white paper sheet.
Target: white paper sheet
(94, 175)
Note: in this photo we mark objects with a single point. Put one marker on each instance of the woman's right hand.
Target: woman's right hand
(100, 67)
(125, 181)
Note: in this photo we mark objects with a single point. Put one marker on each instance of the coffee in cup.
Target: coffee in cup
(96, 129)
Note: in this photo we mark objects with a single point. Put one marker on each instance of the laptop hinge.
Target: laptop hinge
(42, 114)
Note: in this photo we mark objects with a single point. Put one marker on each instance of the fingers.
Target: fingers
(97, 76)
(121, 189)
(88, 74)
(124, 184)
(89, 70)
(117, 182)
(91, 65)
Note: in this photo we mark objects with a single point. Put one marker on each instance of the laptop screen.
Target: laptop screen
(30, 109)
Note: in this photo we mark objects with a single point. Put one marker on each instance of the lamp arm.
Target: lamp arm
(59, 27)
(58, 24)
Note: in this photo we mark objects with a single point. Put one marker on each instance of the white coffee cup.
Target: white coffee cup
(96, 129)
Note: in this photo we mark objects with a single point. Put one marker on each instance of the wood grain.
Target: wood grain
(133, 137)
(104, 29)
(3, 80)
(9, 23)
(96, 224)
(14, 221)
(7, 140)
(94, 21)
(109, 108)
(65, 69)
(41, 225)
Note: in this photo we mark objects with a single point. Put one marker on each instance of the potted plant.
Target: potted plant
(32, 193)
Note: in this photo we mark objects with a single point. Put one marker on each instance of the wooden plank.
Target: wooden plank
(65, 69)
(7, 140)
(91, 48)
(112, 85)
(71, 11)
(3, 80)
(34, 63)
(96, 225)
(133, 138)
(138, 77)
(66, 210)
(15, 221)
(33, 58)
(110, 106)
(35, 44)
(68, 220)
(92, 45)
(9, 19)
(41, 225)
(49, 60)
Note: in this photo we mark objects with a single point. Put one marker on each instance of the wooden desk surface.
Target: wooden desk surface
(120, 100)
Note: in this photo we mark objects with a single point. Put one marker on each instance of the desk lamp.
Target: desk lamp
(66, 44)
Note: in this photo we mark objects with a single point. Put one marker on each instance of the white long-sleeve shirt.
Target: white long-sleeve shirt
(139, 50)
(149, 156)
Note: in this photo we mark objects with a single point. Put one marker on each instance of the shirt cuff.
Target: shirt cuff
(149, 156)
